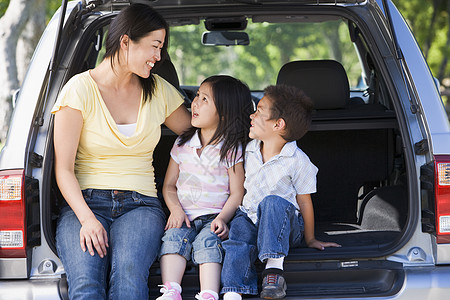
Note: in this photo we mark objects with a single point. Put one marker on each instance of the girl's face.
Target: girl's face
(141, 56)
(204, 112)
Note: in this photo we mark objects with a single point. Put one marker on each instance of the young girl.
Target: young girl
(203, 186)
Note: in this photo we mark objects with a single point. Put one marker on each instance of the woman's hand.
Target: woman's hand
(177, 218)
(93, 235)
(219, 227)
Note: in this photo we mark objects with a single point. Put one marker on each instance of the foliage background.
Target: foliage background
(428, 19)
(50, 7)
(271, 46)
(430, 22)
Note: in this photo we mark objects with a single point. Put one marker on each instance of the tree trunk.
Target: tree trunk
(29, 38)
(331, 33)
(11, 25)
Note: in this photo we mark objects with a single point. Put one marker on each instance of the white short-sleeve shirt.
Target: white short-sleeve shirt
(286, 175)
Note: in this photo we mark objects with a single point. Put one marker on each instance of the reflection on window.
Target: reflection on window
(271, 46)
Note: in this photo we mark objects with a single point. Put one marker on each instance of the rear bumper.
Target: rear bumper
(420, 283)
(35, 289)
(11, 268)
(426, 283)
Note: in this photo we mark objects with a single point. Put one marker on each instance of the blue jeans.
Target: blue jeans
(278, 228)
(134, 223)
(205, 245)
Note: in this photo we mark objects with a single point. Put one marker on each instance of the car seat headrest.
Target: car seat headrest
(324, 81)
(167, 70)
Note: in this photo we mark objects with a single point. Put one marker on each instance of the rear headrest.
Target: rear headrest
(167, 70)
(324, 81)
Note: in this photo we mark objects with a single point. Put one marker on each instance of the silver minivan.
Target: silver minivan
(380, 137)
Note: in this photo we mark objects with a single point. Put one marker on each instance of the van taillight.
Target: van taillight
(442, 196)
(12, 214)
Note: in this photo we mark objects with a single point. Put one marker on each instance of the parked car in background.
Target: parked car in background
(380, 137)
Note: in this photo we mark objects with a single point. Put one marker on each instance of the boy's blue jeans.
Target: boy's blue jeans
(135, 224)
(278, 228)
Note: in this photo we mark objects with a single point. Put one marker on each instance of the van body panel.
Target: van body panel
(386, 151)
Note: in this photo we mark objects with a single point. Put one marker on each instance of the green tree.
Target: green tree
(271, 47)
(21, 25)
(430, 22)
(3, 6)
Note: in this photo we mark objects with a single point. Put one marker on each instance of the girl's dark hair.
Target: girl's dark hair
(136, 21)
(233, 102)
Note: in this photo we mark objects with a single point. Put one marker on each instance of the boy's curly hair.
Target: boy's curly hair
(293, 106)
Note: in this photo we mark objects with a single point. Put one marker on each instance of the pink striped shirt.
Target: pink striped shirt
(203, 183)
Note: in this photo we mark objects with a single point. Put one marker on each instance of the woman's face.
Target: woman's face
(142, 55)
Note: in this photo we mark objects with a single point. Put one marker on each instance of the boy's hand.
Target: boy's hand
(321, 245)
(219, 227)
(176, 219)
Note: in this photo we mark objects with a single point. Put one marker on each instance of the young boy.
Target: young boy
(277, 210)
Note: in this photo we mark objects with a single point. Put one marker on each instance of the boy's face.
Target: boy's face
(261, 126)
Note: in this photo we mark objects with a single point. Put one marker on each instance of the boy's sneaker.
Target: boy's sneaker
(168, 292)
(273, 286)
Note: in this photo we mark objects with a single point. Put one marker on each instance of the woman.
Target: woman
(107, 123)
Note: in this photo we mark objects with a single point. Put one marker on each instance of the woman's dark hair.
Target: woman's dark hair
(136, 21)
(233, 102)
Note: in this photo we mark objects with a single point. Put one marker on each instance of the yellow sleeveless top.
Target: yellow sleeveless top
(107, 159)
